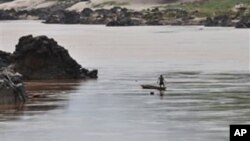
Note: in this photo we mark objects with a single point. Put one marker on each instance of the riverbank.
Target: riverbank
(196, 13)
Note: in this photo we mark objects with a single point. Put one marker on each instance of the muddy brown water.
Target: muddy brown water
(206, 69)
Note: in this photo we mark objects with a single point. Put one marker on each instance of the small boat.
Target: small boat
(153, 87)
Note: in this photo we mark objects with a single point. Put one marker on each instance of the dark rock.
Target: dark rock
(41, 14)
(210, 22)
(8, 15)
(176, 13)
(115, 16)
(244, 22)
(154, 22)
(222, 20)
(115, 23)
(86, 12)
(54, 18)
(93, 74)
(155, 10)
(11, 87)
(99, 16)
(2, 1)
(104, 12)
(42, 58)
(125, 21)
(5, 59)
(89, 74)
(118, 16)
(64, 17)
(71, 17)
(116, 10)
(24, 14)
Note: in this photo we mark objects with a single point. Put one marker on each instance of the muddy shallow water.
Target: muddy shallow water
(207, 73)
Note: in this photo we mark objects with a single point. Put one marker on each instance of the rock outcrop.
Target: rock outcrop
(222, 21)
(8, 15)
(40, 57)
(13, 14)
(244, 22)
(5, 59)
(118, 16)
(36, 58)
(124, 21)
(11, 87)
(63, 17)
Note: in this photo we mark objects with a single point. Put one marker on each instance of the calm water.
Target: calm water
(207, 70)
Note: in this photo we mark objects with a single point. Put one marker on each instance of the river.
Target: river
(206, 69)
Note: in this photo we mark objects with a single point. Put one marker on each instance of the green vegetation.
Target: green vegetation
(110, 3)
(210, 7)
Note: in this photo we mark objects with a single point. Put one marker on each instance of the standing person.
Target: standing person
(161, 81)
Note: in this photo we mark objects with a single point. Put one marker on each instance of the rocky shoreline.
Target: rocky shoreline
(118, 16)
(36, 58)
(12, 89)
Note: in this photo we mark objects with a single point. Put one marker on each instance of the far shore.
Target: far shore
(206, 13)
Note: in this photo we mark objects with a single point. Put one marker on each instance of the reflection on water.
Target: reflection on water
(207, 74)
(43, 96)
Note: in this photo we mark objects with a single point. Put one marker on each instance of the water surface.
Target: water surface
(207, 70)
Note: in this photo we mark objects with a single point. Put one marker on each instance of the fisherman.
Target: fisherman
(161, 81)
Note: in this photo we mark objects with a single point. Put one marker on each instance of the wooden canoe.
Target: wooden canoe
(153, 87)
